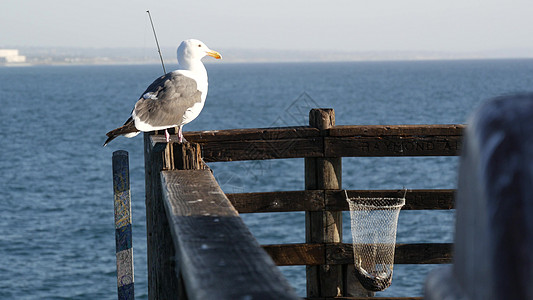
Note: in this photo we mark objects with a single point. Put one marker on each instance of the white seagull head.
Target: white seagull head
(190, 51)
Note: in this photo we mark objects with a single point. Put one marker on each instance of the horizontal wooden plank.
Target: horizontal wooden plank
(215, 251)
(309, 200)
(339, 141)
(397, 130)
(366, 298)
(342, 253)
(441, 199)
(297, 254)
(251, 134)
(392, 145)
(262, 149)
(424, 253)
(258, 149)
(313, 200)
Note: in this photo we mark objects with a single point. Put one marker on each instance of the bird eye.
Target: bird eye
(199, 45)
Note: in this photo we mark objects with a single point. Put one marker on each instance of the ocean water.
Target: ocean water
(56, 208)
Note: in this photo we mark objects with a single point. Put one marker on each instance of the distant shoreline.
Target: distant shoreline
(139, 56)
(257, 61)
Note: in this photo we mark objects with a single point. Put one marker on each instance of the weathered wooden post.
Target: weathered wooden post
(162, 282)
(187, 156)
(163, 278)
(123, 236)
(323, 173)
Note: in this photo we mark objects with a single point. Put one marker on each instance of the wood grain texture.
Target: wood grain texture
(323, 173)
(424, 253)
(262, 149)
(216, 252)
(392, 146)
(187, 156)
(441, 199)
(255, 149)
(162, 282)
(397, 130)
(251, 134)
(320, 200)
(394, 140)
(333, 141)
(308, 200)
(342, 253)
(366, 298)
(297, 254)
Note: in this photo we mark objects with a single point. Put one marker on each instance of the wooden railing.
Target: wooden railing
(215, 255)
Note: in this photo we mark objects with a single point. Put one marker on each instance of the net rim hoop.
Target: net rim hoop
(363, 202)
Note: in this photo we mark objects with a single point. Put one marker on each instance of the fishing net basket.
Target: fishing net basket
(373, 224)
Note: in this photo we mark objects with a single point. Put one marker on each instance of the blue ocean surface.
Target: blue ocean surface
(56, 208)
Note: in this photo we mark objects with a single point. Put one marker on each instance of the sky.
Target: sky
(354, 25)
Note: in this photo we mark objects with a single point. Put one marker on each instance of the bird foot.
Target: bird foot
(167, 136)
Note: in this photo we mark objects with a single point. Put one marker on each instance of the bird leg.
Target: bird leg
(180, 134)
(167, 136)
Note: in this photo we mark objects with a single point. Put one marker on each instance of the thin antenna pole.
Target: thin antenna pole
(157, 43)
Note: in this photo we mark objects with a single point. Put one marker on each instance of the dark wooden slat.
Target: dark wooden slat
(251, 134)
(343, 141)
(367, 298)
(313, 200)
(338, 130)
(258, 149)
(302, 141)
(278, 201)
(394, 140)
(398, 130)
(424, 253)
(262, 149)
(215, 251)
(342, 253)
(438, 253)
(414, 199)
(297, 254)
(392, 145)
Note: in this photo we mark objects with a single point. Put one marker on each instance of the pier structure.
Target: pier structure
(199, 247)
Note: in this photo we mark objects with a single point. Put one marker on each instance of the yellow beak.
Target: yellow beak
(214, 54)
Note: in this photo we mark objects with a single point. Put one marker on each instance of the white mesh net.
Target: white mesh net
(374, 222)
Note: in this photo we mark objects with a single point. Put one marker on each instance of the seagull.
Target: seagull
(173, 99)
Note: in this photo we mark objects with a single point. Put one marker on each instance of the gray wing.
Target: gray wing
(165, 101)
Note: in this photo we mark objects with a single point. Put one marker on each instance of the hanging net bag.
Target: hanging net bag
(374, 222)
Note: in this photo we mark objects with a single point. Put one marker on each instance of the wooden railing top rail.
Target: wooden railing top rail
(216, 253)
(338, 141)
(252, 134)
(400, 130)
(338, 130)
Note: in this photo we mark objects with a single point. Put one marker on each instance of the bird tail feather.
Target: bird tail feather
(128, 127)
